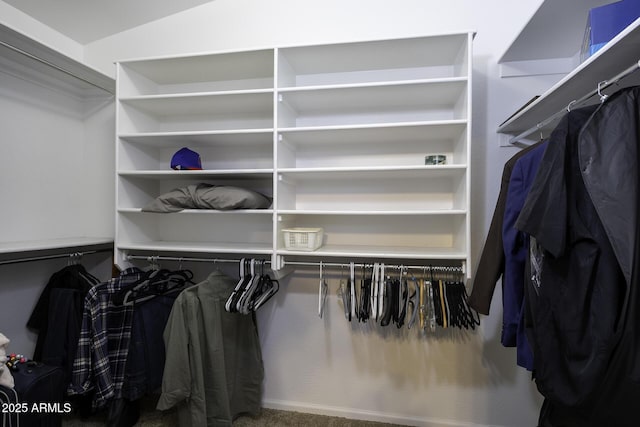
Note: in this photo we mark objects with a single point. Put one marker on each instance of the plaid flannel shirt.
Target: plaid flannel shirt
(103, 346)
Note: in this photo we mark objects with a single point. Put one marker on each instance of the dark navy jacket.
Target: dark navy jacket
(516, 248)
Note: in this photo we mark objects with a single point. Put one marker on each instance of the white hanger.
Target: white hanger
(244, 302)
(228, 306)
(322, 292)
(374, 291)
(352, 279)
(382, 291)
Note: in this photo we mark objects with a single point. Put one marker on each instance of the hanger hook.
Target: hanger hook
(570, 105)
(603, 97)
(539, 127)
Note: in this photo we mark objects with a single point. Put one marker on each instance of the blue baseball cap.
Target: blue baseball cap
(185, 159)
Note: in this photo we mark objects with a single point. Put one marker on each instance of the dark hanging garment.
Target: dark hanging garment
(492, 261)
(584, 299)
(57, 316)
(581, 285)
(609, 161)
(516, 249)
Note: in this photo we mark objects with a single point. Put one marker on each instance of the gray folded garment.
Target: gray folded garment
(207, 196)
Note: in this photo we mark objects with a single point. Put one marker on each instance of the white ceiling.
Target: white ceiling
(88, 20)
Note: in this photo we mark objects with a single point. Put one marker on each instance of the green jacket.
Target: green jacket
(213, 370)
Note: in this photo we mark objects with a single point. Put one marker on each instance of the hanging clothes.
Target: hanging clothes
(491, 265)
(57, 316)
(101, 356)
(213, 369)
(146, 356)
(516, 249)
(583, 294)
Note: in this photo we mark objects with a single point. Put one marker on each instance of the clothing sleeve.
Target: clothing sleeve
(515, 254)
(491, 265)
(81, 373)
(176, 379)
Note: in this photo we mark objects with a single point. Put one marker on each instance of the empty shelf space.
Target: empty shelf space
(395, 103)
(414, 234)
(204, 112)
(384, 60)
(200, 230)
(230, 71)
(401, 145)
(373, 191)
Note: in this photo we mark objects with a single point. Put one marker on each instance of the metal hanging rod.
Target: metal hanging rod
(154, 259)
(56, 67)
(447, 268)
(577, 102)
(46, 257)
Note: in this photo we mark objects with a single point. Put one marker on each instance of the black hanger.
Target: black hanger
(387, 302)
(344, 294)
(267, 288)
(244, 302)
(157, 282)
(403, 301)
(364, 303)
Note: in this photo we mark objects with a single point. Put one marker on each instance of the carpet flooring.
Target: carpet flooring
(267, 418)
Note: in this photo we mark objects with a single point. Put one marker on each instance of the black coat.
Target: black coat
(582, 212)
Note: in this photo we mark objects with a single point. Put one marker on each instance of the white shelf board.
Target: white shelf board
(53, 244)
(192, 174)
(392, 172)
(430, 130)
(620, 53)
(372, 85)
(201, 212)
(397, 252)
(196, 247)
(201, 138)
(424, 212)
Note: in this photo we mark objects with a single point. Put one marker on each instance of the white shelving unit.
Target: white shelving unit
(55, 112)
(622, 52)
(336, 134)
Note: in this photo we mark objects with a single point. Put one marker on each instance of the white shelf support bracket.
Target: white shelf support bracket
(283, 180)
(504, 140)
(280, 270)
